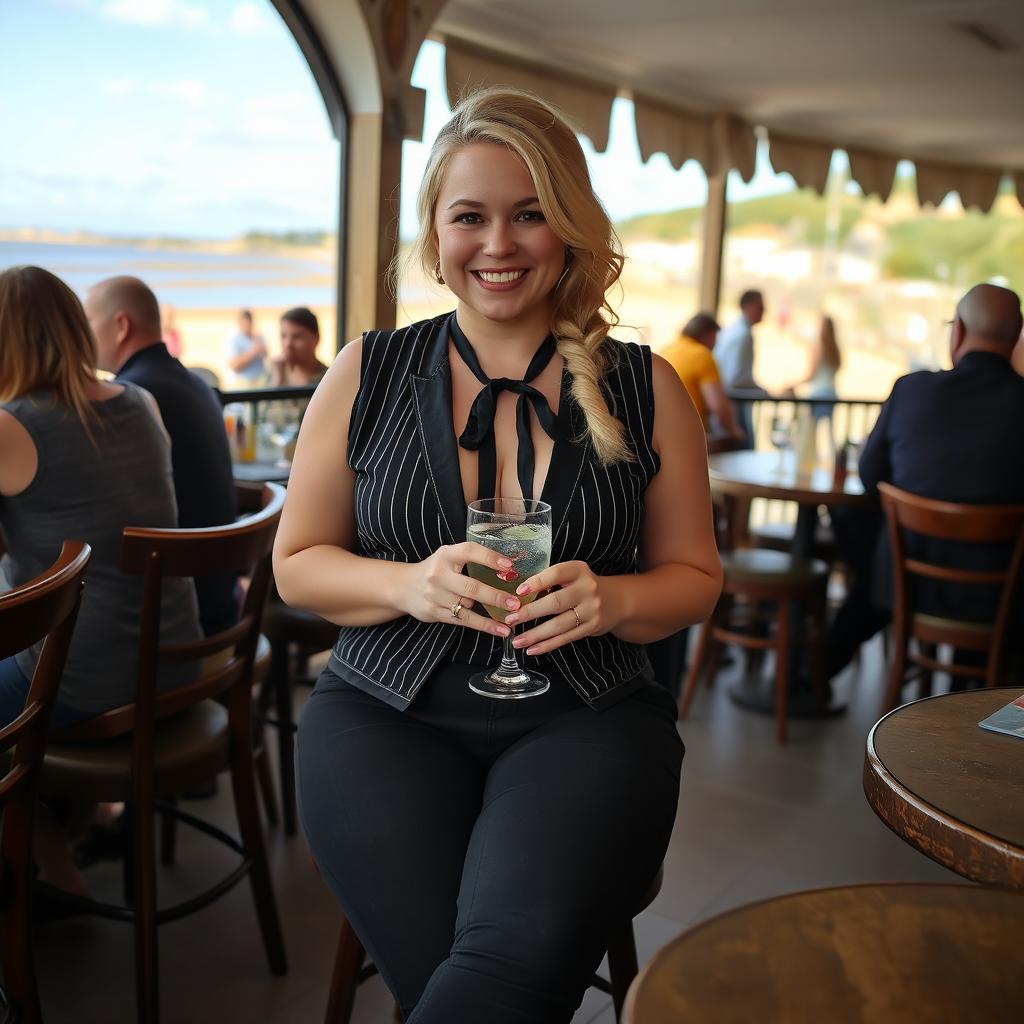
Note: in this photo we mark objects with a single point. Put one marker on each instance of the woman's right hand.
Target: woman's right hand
(437, 586)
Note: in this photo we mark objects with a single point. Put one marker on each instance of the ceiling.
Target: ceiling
(939, 80)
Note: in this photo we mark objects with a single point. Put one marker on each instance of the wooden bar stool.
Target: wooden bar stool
(45, 609)
(753, 577)
(351, 968)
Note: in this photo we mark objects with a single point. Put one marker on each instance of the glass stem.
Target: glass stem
(508, 654)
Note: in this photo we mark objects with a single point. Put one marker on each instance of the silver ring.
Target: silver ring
(577, 614)
(457, 609)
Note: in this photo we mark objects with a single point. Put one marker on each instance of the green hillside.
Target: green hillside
(959, 250)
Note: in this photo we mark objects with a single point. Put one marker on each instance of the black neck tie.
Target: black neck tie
(479, 433)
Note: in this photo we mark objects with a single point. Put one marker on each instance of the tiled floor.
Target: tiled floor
(755, 820)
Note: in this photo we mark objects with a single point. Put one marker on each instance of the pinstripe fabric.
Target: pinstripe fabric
(408, 502)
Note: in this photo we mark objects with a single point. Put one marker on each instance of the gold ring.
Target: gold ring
(456, 609)
(577, 614)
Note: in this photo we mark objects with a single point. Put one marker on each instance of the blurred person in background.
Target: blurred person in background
(125, 320)
(950, 435)
(734, 354)
(691, 358)
(171, 334)
(247, 353)
(298, 364)
(821, 372)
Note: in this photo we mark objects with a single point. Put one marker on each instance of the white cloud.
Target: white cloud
(190, 91)
(118, 87)
(155, 12)
(250, 19)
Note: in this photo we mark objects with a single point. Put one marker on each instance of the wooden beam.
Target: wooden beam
(714, 243)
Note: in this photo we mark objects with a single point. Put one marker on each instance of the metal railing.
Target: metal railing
(773, 416)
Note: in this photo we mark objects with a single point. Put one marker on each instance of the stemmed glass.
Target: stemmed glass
(781, 436)
(519, 529)
(284, 436)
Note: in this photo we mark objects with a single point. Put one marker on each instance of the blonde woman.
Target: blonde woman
(79, 459)
(483, 849)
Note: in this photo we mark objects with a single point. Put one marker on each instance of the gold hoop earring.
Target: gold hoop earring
(437, 273)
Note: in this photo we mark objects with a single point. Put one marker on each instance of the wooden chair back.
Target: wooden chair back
(225, 658)
(44, 609)
(945, 520)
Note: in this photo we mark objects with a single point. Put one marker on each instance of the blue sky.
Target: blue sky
(200, 118)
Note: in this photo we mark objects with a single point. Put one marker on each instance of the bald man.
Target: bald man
(125, 319)
(953, 435)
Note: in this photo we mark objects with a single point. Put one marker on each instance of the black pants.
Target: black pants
(483, 849)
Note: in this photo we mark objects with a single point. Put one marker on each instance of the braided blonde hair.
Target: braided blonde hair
(581, 319)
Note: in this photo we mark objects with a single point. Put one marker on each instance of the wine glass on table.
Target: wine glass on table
(781, 435)
(519, 529)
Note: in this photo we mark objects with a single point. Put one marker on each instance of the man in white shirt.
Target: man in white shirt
(247, 353)
(734, 354)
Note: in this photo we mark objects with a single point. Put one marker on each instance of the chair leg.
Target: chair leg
(719, 616)
(147, 964)
(897, 674)
(818, 681)
(243, 784)
(168, 835)
(348, 959)
(16, 921)
(264, 776)
(782, 646)
(696, 666)
(280, 680)
(622, 965)
(926, 678)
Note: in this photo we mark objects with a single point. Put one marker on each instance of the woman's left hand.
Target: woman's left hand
(577, 608)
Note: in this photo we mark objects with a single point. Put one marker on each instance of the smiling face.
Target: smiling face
(497, 252)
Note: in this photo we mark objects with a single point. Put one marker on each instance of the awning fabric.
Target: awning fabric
(719, 142)
(588, 105)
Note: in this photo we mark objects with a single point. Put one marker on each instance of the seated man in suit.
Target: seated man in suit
(953, 435)
(125, 320)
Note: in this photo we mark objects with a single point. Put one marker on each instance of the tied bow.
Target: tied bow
(478, 434)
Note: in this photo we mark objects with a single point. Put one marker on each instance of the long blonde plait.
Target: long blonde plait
(542, 138)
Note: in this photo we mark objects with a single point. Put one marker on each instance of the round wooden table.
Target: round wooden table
(766, 475)
(898, 954)
(949, 788)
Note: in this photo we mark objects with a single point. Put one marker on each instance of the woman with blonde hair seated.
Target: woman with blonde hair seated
(485, 849)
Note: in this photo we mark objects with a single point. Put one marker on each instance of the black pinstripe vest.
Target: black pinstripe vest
(409, 502)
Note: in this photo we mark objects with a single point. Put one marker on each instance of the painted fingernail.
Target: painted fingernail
(502, 630)
(531, 650)
(511, 620)
(511, 603)
(505, 563)
(524, 589)
(518, 643)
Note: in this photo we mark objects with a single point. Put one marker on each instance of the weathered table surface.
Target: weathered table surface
(951, 789)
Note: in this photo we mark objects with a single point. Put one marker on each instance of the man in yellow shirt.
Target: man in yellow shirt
(690, 356)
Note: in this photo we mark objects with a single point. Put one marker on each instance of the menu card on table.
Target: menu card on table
(1009, 720)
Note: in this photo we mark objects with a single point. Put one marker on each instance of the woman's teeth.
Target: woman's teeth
(504, 277)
